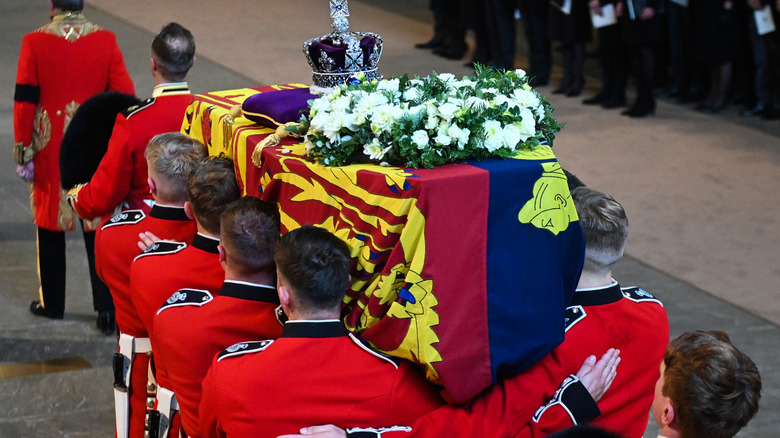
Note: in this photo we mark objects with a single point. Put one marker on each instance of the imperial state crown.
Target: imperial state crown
(339, 56)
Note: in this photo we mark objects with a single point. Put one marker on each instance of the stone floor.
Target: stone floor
(701, 193)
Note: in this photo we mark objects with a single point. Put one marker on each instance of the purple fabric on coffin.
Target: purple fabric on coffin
(277, 107)
(338, 53)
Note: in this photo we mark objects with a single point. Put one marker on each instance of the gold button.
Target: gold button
(59, 112)
(151, 387)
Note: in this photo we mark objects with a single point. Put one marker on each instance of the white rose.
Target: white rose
(520, 73)
(412, 95)
(460, 135)
(525, 98)
(447, 110)
(477, 103)
(420, 138)
(528, 125)
(447, 77)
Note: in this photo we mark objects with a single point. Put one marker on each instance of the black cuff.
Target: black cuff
(579, 402)
(27, 93)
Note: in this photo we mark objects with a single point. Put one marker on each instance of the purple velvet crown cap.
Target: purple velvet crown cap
(338, 53)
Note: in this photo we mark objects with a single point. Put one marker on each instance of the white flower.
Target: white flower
(477, 103)
(365, 105)
(501, 99)
(390, 85)
(340, 104)
(420, 138)
(447, 110)
(412, 94)
(525, 98)
(374, 150)
(520, 73)
(383, 117)
(494, 135)
(447, 77)
(442, 138)
(528, 125)
(460, 135)
(333, 124)
(512, 136)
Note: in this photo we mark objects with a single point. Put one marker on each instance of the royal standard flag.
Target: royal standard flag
(465, 269)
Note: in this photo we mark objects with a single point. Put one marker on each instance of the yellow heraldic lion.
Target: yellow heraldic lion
(551, 208)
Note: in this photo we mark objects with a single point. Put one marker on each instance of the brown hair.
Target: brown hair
(714, 387)
(249, 232)
(210, 189)
(605, 225)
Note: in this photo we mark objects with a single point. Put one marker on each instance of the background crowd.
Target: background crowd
(710, 53)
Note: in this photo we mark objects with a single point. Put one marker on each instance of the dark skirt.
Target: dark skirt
(574, 27)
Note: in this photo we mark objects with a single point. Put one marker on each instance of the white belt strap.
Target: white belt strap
(128, 347)
(166, 405)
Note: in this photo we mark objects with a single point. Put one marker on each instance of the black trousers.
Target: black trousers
(51, 269)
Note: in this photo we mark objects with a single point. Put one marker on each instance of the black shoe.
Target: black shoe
(574, 92)
(613, 103)
(595, 100)
(451, 51)
(37, 309)
(433, 43)
(757, 110)
(538, 82)
(106, 323)
(640, 110)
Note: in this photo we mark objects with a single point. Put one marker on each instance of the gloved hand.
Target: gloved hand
(26, 171)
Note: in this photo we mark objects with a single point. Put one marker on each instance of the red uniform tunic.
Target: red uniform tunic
(597, 320)
(116, 245)
(159, 272)
(122, 175)
(190, 330)
(312, 374)
(61, 65)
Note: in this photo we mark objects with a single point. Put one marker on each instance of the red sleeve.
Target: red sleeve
(24, 109)
(111, 182)
(209, 422)
(502, 410)
(571, 405)
(118, 77)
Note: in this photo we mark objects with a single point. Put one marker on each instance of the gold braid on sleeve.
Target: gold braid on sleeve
(23, 154)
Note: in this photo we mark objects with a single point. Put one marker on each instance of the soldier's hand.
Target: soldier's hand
(26, 171)
(147, 239)
(598, 376)
(326, 431)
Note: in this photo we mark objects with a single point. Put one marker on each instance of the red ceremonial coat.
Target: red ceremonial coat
(60, 66)
(630, 320)
(116, 245)
(121, 177)
(312, 374)
(192, 327)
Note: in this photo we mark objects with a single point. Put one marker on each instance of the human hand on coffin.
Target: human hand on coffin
(26, 171)
(598, 376)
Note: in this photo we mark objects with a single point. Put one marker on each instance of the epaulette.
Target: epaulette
(187, 297)
(125, 218)
(362, 343)
(639, 295)
(574, 314)
(162, 247)
(136, 108)
(244, 348)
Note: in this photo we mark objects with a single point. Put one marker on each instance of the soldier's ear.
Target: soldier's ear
(222, 253)
(188, 210)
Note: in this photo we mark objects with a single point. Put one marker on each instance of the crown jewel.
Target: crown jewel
(337, 57)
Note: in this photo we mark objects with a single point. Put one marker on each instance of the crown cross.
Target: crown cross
(339, 8)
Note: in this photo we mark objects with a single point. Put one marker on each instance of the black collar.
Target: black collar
(313, 329)
(168, 213)
(204, 243)
(594, 297)
(249, 291)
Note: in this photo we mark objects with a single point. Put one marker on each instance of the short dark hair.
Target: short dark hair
(173, 50)
(68, 5)
(714, 388)
(316, 266)
(210, 189)
(605, 225)
(249, 231)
